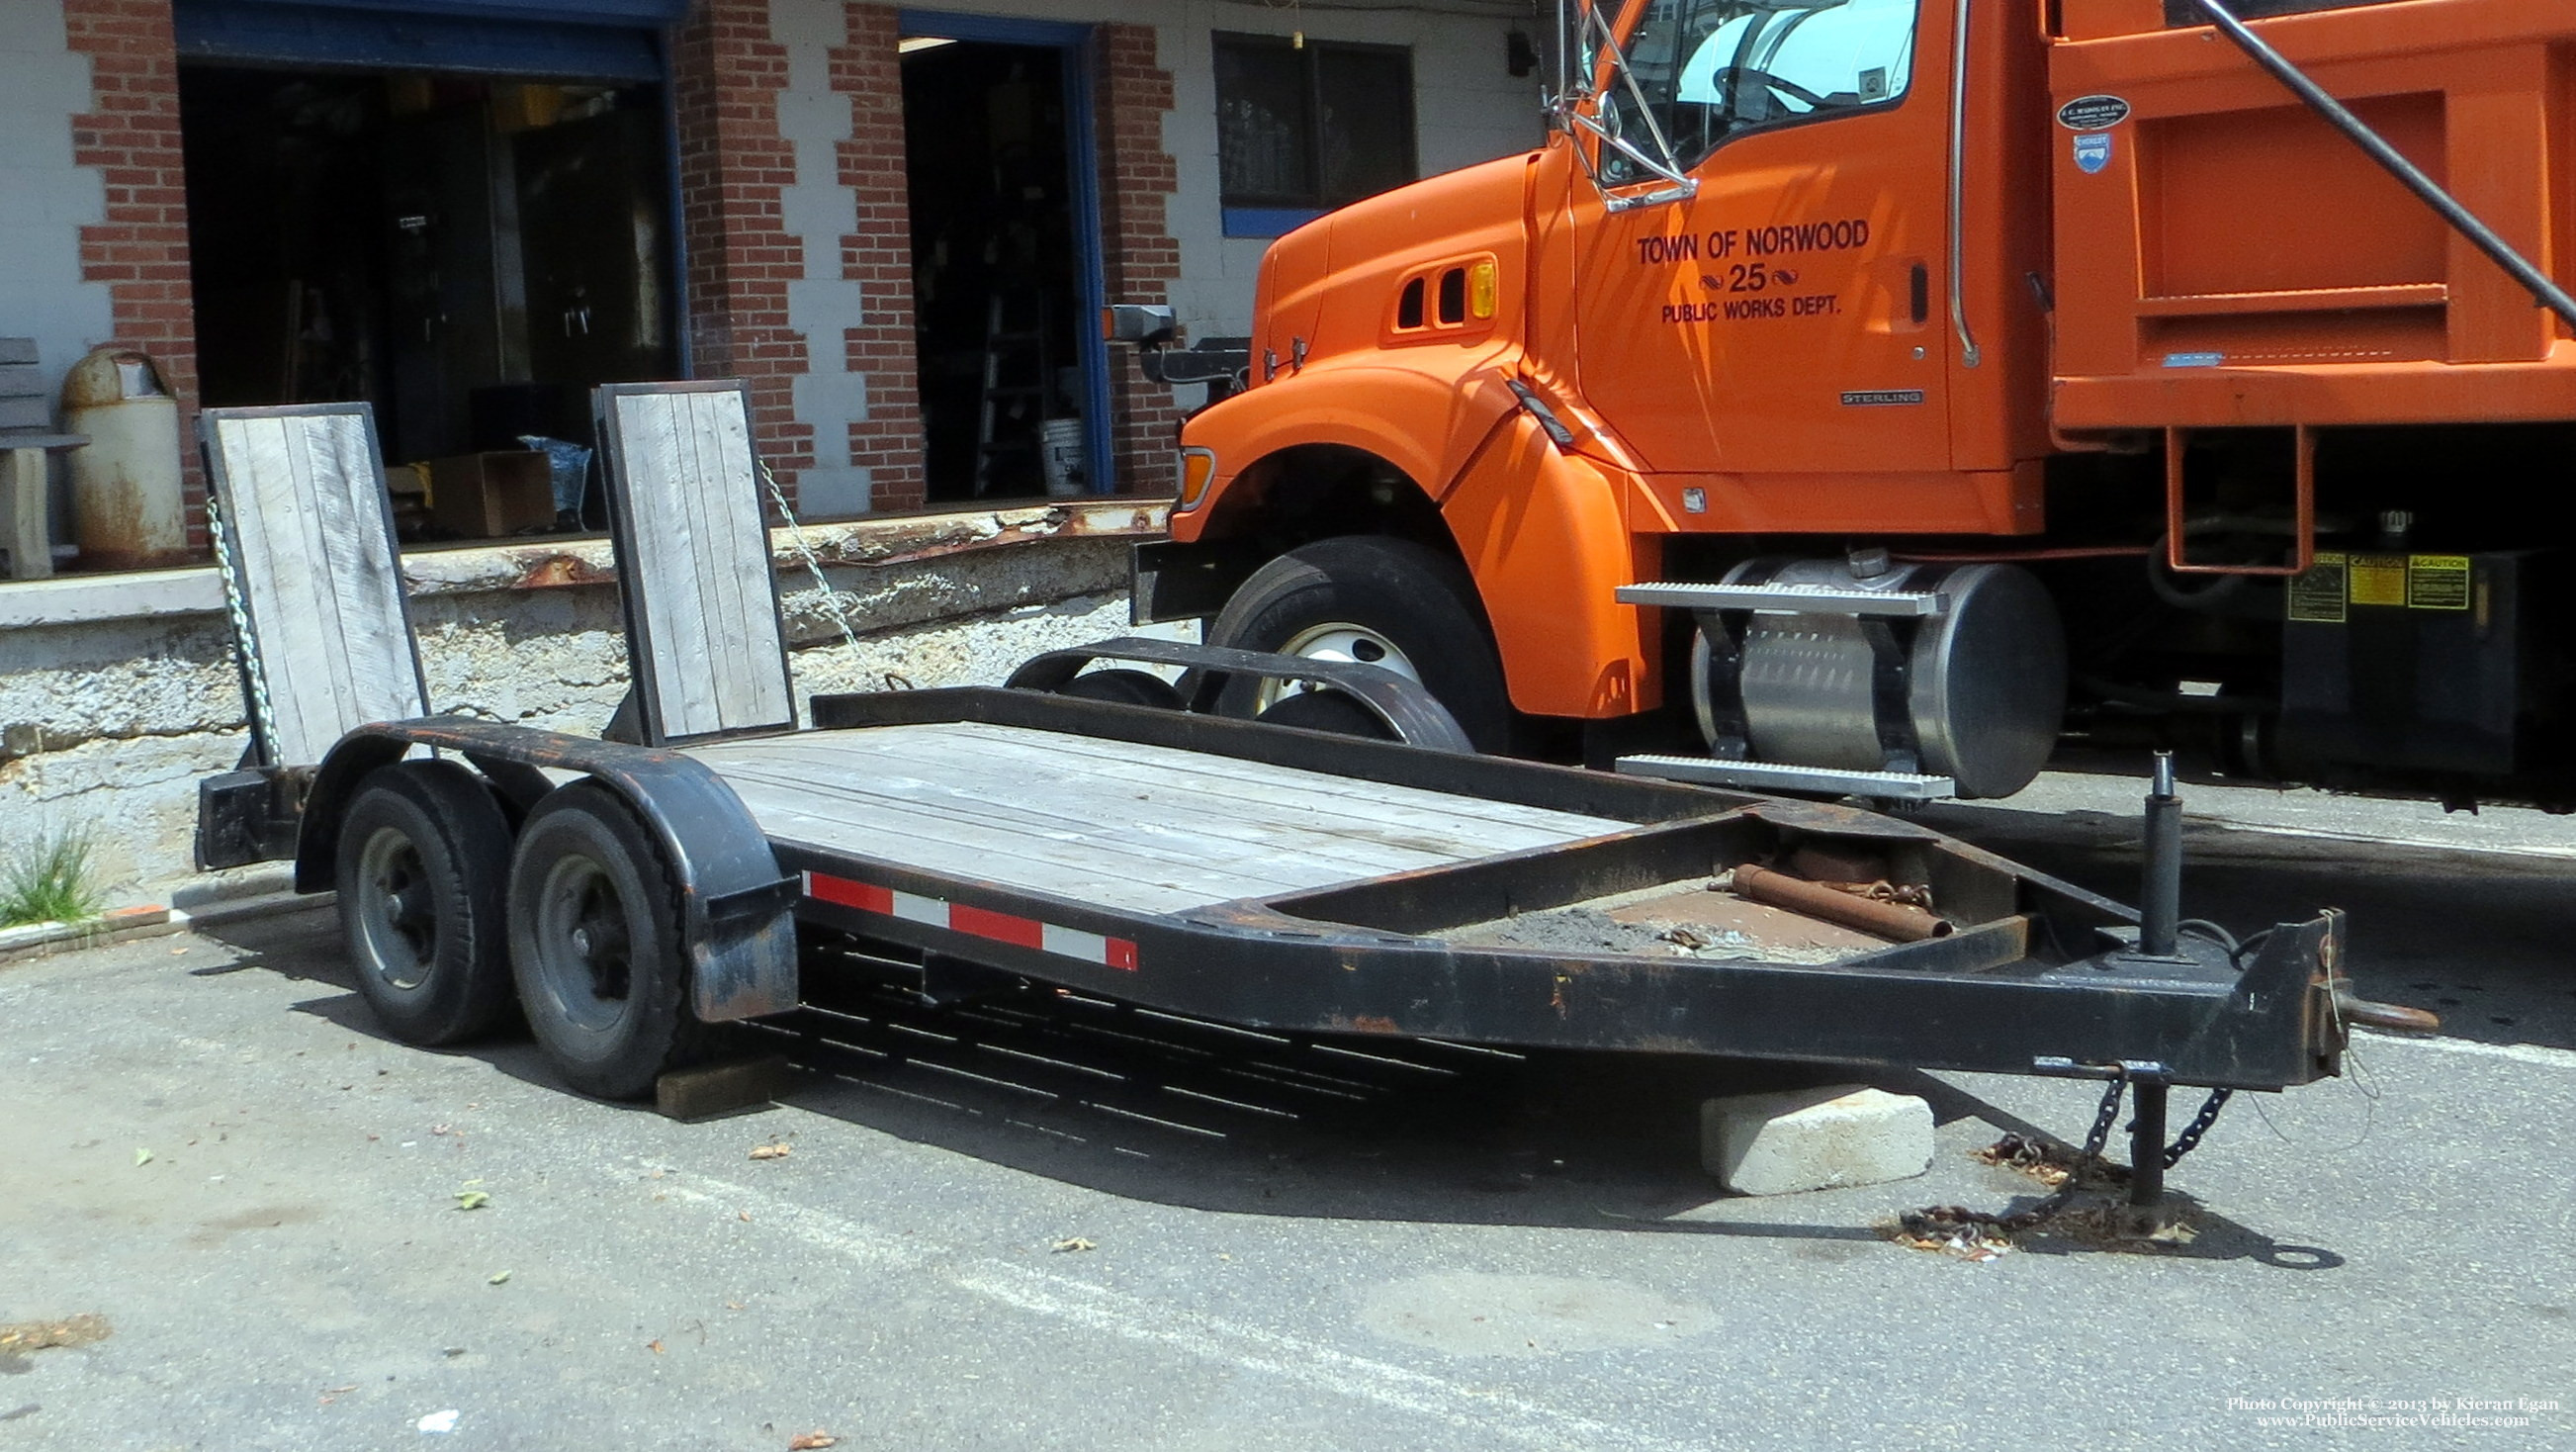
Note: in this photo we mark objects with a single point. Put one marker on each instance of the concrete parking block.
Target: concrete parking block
(1824, 1138)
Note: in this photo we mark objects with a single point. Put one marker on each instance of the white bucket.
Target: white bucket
(1060, 455)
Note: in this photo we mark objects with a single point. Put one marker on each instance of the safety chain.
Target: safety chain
(245, 648)
(2189, 1140)
(805, 551)
(1924, 1222)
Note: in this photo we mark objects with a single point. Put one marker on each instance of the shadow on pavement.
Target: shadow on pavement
(1150, 1106)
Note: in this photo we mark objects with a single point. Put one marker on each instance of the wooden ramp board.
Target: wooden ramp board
(1135, 827)
(310, 533)
(702, 621)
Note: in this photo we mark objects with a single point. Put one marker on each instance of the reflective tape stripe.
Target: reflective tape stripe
(1019, 932)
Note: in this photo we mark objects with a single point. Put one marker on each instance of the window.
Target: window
(1709, 68)
(1304, 129)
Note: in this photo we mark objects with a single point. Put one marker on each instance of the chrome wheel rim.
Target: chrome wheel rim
(1340, 642)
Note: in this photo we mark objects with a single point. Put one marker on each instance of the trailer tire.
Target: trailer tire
(595, 945)
(1391, 592)
(422, 868)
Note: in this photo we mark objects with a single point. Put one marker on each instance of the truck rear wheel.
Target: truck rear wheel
(595, 945)
(421, 872)
(1383, 602)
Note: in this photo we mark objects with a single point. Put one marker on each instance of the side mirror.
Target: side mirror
(1144, 324)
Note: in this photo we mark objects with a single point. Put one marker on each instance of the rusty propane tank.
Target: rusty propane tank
(127, 511)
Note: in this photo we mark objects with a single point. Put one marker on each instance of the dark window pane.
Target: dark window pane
(1367, 132)
(1263, 125)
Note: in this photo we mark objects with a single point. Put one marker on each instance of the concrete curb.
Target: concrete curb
(257, 893)
(117, 925)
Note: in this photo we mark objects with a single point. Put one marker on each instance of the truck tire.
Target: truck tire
(595, 945)
(1388, 602)
(422, 872)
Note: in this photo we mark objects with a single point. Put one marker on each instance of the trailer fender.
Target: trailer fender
(737, 909)
(1543, 533)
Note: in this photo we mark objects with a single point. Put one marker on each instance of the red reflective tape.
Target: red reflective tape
(865, 896)
(1000, 927)
(1122, 954)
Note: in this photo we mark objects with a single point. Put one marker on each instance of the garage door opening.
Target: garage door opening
(469, 255)
(1004, 244)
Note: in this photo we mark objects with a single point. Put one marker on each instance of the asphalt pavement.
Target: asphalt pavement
(1054, 1225)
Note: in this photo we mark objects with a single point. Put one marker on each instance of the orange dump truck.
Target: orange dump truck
(1878, 396)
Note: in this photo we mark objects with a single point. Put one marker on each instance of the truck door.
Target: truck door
(1785, 316)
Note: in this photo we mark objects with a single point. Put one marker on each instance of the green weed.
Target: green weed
(49, 881)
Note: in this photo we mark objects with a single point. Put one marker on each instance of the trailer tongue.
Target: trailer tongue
(1283, 879)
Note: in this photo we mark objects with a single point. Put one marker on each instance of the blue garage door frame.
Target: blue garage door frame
(603, 40)
(588, 40)
(1074, 42)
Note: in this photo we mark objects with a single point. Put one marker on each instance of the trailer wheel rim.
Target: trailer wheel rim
(584, 943)
(1340, 642)
(397, 910)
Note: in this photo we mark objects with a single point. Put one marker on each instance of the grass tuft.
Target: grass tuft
(49, 881)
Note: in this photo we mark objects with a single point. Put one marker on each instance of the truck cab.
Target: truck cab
(1880, 396)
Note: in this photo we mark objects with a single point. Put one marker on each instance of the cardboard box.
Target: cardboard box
(486, 496)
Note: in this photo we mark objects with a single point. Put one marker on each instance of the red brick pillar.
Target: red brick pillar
(1140, 257)
(728, 70)
(726, 76)
(140, 248)
(878, 257)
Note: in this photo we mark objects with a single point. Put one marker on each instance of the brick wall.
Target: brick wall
(140, 247)
(1139, 256)
(726, 77)
(878, 256)
(729, 72)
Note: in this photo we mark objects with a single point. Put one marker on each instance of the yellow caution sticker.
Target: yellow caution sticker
(2317, 594)
(2437, 582)
(2378, 580)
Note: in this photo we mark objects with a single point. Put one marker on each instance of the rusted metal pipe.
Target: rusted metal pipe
(2385, 1015)
(1797, 895)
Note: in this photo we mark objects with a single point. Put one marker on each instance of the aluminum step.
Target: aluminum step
(1781, 776)
(1805, 599)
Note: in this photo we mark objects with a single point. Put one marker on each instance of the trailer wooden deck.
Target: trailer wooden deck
(1127, 825)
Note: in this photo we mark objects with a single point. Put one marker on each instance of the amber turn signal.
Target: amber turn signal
(1198, 471)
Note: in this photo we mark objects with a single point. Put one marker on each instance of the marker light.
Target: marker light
(1198, 471)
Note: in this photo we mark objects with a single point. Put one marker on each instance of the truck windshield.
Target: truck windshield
(1705, 69)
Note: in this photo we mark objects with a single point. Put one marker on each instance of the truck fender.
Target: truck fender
(1363, 407)
(737, 910)
(1543, 534)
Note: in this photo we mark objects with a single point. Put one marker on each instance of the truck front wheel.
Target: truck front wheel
(1379, 601)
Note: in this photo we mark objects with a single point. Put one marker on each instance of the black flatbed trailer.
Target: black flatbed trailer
(1301, 882)
(1108, 834)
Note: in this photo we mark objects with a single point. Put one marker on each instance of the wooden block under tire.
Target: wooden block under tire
(707, 1090)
